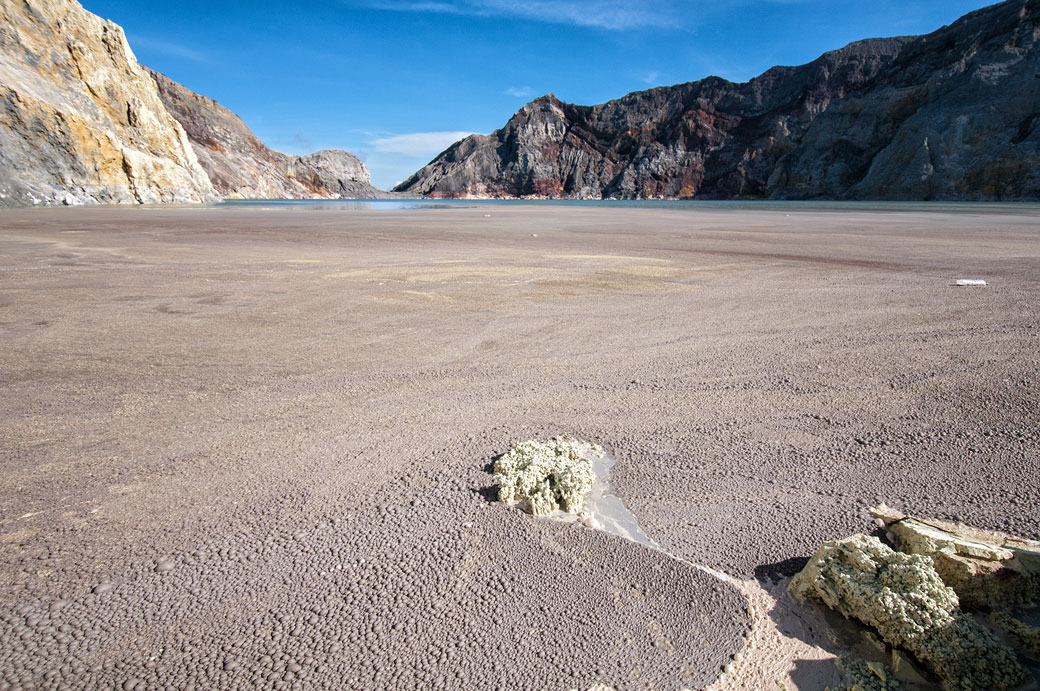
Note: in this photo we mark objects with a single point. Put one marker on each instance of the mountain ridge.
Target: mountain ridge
(241, 166)
(849, 125)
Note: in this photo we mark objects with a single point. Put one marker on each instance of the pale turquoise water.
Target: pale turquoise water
(1025, 208)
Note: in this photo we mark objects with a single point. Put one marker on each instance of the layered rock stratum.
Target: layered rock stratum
(82, 122)
(242, 166)
(950, 115)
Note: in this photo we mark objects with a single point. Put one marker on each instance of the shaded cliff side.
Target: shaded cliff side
(241, 166)
(80, 119)
(951, 115)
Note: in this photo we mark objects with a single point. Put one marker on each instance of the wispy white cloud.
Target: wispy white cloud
(416, 143)
(650, 78)
(617, 15)
(167, 48)
(519, 92)
(391, 158)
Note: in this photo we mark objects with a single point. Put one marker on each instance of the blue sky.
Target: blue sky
(396, 82)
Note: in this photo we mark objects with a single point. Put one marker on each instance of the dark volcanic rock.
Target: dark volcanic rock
(953, 117)
(949, 115)
(241, 166)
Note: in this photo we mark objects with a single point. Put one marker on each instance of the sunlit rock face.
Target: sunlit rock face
(80, 120)
(950, 115)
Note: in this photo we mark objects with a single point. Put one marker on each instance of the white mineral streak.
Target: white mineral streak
(605, 511)
(527, 470)
(905, 600)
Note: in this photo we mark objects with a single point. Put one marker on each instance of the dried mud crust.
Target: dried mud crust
(217, 387)
(422, 584)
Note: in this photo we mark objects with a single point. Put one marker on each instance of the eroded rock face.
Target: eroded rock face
(80, 119)
(243, 167)
(954, 116)
(710, 139)
(903, 598)
(951, 115)
(341, 173)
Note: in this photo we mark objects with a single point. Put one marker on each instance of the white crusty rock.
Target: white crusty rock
(902, 597)
(546, 476)
(986, 569)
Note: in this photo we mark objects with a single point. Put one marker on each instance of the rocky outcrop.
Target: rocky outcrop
(903, 598)
(80, 119)
(951, 115)
(242, 167)
(985, 569)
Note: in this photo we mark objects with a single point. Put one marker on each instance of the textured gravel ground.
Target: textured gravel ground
(251, 446)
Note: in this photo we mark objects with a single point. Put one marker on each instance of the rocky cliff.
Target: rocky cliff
(80, 119)
(954, 116)
(81, 122)
(951, 115)
(241, 166)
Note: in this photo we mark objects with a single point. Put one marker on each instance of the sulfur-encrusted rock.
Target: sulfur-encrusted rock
(986, 569)
(867, 676)
(903, 598)
(546, 476)
(1025, 636)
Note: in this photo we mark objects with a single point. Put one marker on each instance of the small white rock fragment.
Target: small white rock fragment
(970, 282)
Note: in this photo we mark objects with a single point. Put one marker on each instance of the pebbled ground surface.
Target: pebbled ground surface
(249, 447)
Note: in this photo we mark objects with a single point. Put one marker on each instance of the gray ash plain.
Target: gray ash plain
(246, 446)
